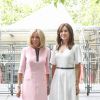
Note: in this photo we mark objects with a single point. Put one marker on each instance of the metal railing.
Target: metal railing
(10, 56)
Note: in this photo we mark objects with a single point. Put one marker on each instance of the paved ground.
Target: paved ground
(81, 97)
(90, 97)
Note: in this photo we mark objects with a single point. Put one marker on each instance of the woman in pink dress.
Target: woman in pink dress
(34, 69)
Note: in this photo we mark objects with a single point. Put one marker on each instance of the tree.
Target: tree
(12, 12)
(84, 12)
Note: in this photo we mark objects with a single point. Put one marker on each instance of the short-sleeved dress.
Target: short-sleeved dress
(34, 85)
(63, 82)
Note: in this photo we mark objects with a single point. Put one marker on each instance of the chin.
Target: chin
(64, 39)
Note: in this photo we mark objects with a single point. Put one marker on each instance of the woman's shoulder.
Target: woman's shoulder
(54, 47)
(76, 46)
(25, 49)
(47, 48)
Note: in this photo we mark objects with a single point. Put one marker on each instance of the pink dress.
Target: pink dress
(34, 85)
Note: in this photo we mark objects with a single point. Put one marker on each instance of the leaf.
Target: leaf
(62, 1)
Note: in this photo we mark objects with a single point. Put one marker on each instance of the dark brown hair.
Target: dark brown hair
(71, 35)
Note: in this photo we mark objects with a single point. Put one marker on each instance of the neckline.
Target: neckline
(63, 50)
(34, 48)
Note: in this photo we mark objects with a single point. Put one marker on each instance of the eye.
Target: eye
(37, 37)
(65, 31)
(61, 31)
(32, 36)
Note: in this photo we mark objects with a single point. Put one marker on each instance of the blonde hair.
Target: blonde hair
(41, 37)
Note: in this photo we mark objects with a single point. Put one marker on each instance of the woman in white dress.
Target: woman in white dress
(65, 60)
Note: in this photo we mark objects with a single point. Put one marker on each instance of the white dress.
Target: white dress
(63, 82)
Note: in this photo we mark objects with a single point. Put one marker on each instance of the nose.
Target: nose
(63, 32)
(34, 38)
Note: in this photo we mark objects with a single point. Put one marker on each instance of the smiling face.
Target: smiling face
(64, 34)
(35, 40)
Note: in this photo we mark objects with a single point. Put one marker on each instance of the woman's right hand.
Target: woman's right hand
(18, 92)
(48, 90)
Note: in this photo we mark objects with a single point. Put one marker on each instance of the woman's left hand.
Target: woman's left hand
(77, 89)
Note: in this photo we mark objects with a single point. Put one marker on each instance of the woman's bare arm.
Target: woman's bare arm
(53, 70)
(77, 72)
(20, 78)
